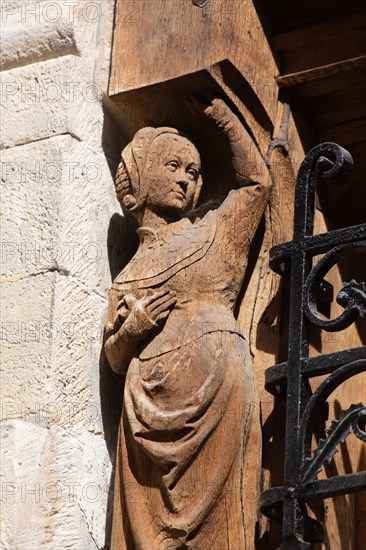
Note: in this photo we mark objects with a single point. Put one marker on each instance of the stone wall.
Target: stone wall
(59, 150)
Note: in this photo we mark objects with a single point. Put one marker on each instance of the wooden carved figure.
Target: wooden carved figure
(171, 331)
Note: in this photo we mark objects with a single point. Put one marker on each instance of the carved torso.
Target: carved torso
(203, 261)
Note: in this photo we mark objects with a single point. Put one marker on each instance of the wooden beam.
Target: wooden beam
(323, 71)
(322, 44)
(157, 41)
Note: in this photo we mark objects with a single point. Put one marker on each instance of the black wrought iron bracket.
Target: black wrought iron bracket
(287, 504)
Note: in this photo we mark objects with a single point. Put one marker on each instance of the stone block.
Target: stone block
(55, 487)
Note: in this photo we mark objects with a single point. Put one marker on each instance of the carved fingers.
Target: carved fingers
(219, 111)
(128, 301)
(216, 109)
(224, 118)
(160, 303)
(248, 163)
(124, 307)
(145, 314)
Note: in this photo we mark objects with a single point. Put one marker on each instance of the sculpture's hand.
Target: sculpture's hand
(146, 314)
(225, 119)
(247, 161)
(217, 110)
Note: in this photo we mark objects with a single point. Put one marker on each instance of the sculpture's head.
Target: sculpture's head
(160, 170)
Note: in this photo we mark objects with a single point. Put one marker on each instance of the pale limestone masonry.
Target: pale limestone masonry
(25, 42)
(59, 146)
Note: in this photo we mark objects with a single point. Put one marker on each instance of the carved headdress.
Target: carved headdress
(131, 174)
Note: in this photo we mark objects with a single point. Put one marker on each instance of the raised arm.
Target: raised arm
(240, 213)
(248, 164)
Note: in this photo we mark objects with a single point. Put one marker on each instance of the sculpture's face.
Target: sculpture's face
(173, 172)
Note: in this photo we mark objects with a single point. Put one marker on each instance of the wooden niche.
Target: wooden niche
(172, 57)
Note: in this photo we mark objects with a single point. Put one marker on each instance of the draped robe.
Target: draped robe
(190, 390)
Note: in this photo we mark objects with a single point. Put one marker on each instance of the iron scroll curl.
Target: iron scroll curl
(287, 504)
(352, 420)
(352, 296)
(327, 161)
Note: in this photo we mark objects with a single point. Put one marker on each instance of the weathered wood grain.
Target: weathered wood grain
(166, 53)
(322, 71)
(156, 41)
(297, 56)
(191, 404)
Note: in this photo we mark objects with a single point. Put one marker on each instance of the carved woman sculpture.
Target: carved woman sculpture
(171, 329)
